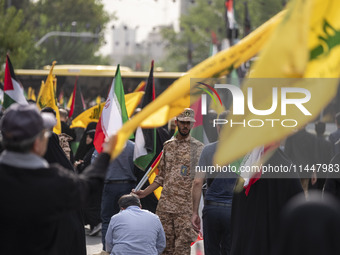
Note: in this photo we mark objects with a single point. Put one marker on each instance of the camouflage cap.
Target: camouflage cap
(187, 115)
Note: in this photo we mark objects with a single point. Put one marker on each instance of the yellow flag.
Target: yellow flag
(92, 115)
(69, 103)
(305, 48)
(98, 100)
(31, 94)
(140, 86)
(47, 98)
(157, 192)
(177, 97)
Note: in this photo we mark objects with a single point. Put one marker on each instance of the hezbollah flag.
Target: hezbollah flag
(114, 113)
(13, 92)
(305, 47)
(47, 98)
(93, 114)
(31, 94)
(145, 139)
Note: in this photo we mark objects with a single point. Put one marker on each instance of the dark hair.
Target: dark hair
(337, 118)
(128, 200)
(223, 115)
(50, 110)
(63, 113)
(320, 127)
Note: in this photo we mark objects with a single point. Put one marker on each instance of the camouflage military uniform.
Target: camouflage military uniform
(175, 204)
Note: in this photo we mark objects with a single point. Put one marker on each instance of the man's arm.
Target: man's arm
(157, 182)
(196, 197)
(147, 191)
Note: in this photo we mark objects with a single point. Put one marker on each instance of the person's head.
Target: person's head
(212, 114)
(309, 226)
(63, 114)
(90, 136)
(128, 200)
(185, 122)
(320, 128)
(52, 112)
(337, 119)
(223, 115)
(24, 129)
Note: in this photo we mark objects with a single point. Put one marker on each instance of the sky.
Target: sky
(143, 14)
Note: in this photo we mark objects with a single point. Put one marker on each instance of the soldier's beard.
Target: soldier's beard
(183, 133)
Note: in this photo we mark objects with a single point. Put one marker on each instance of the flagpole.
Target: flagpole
(143, 180)
(146, 175)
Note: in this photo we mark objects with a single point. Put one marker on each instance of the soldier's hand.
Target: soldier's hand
(139, 193)
(196, 222)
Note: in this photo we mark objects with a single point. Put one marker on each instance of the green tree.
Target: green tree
(194, 39)
(14, 38)
(67, 16)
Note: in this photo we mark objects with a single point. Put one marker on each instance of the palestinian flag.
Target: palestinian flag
(13, 92)
(145, 141)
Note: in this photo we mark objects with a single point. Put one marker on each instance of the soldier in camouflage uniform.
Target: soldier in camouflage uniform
(180, 155)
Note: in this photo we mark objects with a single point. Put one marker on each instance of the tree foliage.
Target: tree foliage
(205, 17)
(14, 38)
(25, 22)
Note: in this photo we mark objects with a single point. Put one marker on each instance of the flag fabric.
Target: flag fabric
(73, 101)
(47, 98)
(154, 172)
(61, 99)
(140, 86)
(93, 114)
(197, 130)
(13, 92)
(306, 45)
(177, 97)
(145, 139)
(82, 98)
(114, 113)
(98, 99)
(31, 94)
(214, 44)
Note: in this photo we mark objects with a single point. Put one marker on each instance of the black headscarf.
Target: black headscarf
(310, 227)
(83, 148)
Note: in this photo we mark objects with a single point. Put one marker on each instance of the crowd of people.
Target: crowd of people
(50, 192)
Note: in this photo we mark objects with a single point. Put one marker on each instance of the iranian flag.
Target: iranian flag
(13, 92)
(114, 113)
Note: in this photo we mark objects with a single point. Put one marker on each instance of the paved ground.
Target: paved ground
(93, 243)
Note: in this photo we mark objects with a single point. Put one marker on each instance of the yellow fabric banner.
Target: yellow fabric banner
(305, 47)
(92, 115)
(47, 98)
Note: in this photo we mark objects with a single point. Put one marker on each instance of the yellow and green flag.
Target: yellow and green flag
(305, 48)
(47, 98)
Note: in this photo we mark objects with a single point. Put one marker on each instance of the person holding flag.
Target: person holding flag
(180, 155)
(120, 178)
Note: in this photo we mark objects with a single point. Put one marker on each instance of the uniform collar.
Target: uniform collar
(183, 140)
